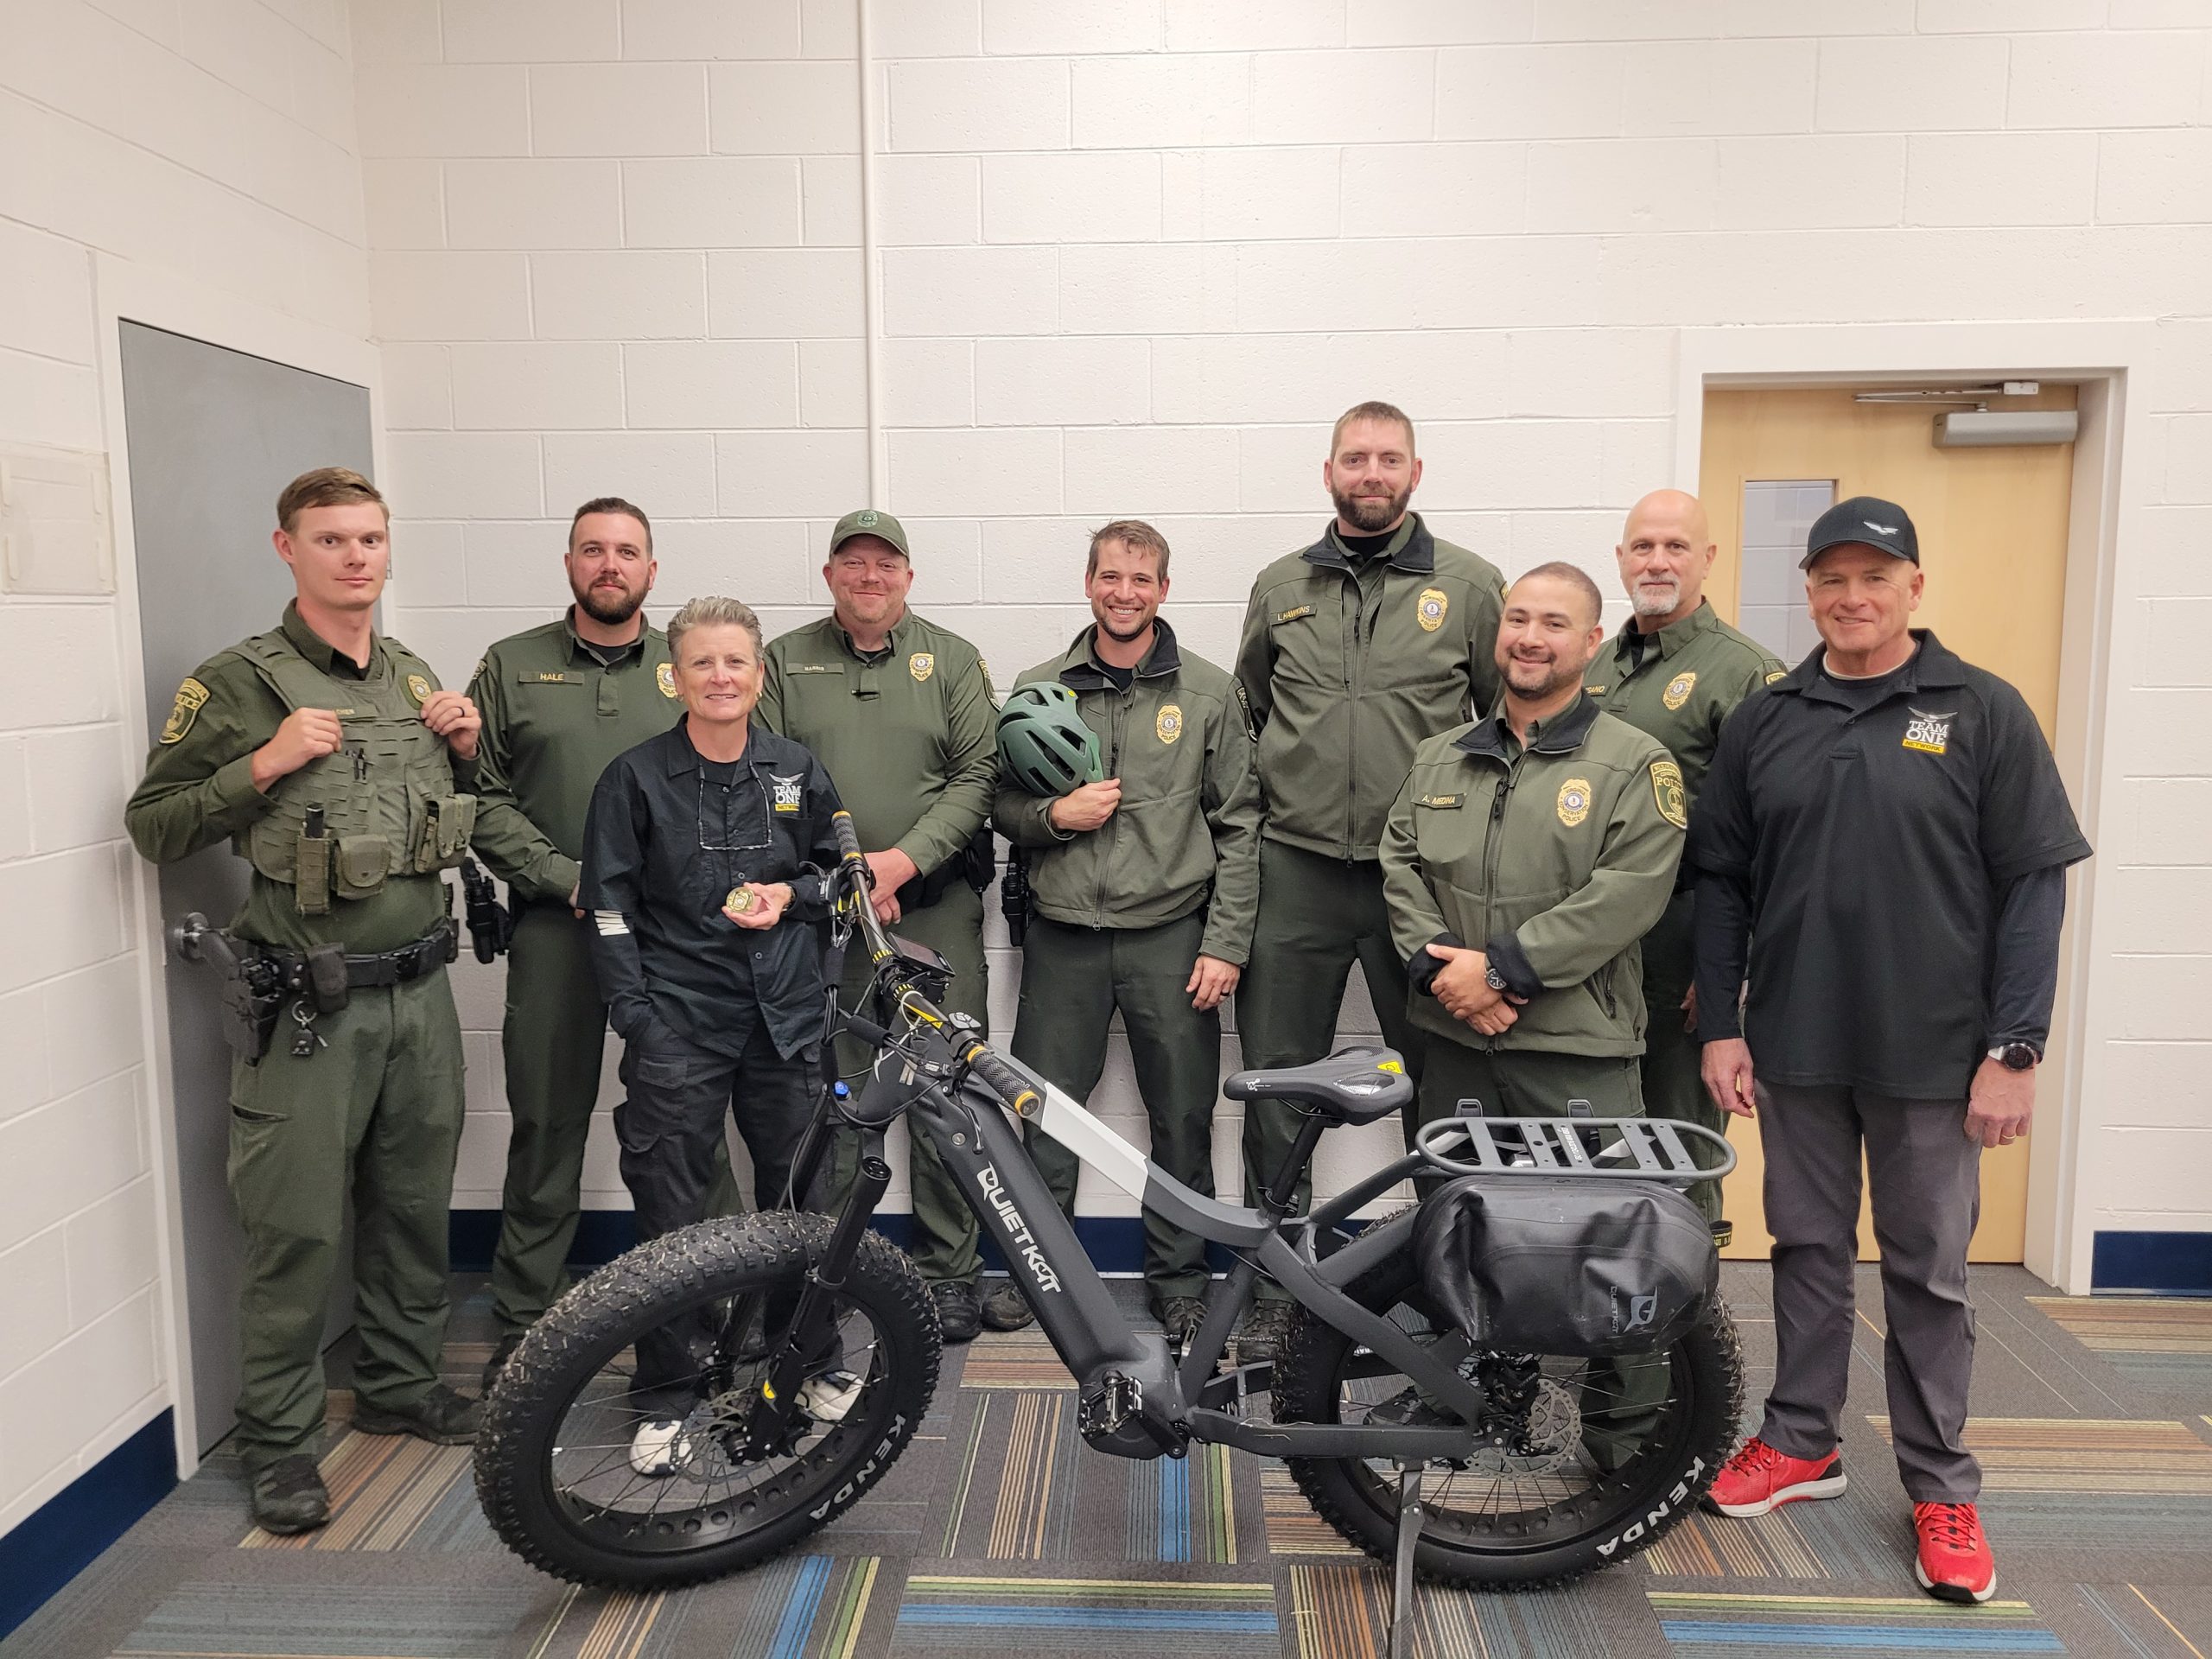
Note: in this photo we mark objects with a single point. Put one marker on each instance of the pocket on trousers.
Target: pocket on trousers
(247, 1104)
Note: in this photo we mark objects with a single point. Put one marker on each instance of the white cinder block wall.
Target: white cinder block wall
(212, 139)
(1135, 254)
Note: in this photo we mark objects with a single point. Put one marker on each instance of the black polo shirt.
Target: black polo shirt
(1876, 833)
(668, 835)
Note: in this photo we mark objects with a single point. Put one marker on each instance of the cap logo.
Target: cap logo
(1429, 609)
(1879, 529)
(921, 665)
(1573, 801)
(865, 518)
(1930, 734)
(1678, 690)
(1169, 723)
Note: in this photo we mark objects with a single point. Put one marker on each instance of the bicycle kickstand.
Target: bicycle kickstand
(1402, 1598)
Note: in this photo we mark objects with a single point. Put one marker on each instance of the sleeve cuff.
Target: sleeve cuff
(234, 788)
(1422, 969)
(1513, 966)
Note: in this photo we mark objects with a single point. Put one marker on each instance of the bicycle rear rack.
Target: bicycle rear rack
(1612, 1148)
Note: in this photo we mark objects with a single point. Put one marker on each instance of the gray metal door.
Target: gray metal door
(214, 434)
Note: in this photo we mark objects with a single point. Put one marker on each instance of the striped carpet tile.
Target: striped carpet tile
(594, 1624)
(2086, 1454)
(1293, 1528)
(1344, 1613)
(1138, 1617)
(309, 1621)
(2141, 1628)
(1805, 1541)
(1183, 1508)
(1013, 1360)
(805, 1607)
(1021, 1467)
(1707, 1624)
(383, 1488)
(2162, 1342)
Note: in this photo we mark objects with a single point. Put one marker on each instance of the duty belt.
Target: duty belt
(434, 950)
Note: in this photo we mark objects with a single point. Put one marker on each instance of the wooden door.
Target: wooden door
(1993, 542)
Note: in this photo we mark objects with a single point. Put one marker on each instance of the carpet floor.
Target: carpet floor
(998, 1533)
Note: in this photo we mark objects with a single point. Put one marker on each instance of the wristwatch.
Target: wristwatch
(2016, 1057)
(1492, 978)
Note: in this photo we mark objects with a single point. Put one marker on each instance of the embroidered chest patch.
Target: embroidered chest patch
(1168, 724)
(665, 677)
(419, 689)
(784, 792)
(1429, 610)
(1678, 690)
(1573, 801)
(1930, 733)
(921, 665)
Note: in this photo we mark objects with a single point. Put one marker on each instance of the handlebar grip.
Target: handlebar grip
(1015, 1092)
(848, 840)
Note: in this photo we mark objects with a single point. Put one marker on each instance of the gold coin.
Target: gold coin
(741, 899)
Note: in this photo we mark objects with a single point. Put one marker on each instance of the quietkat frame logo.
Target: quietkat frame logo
(1017, 1230)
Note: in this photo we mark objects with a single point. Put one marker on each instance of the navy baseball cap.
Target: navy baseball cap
(1868, 520)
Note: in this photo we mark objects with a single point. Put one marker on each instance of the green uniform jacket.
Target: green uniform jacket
(198, 789)
(1188, 826)
(1347, 668)
(554, 715)
(908, 733)
(1554, 860)
(1682, 693)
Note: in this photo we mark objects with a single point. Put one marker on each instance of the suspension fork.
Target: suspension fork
(812, 1331)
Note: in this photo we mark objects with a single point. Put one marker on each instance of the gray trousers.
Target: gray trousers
(1927, 1192)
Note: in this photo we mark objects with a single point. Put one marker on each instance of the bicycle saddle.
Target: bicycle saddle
(1353, 1085)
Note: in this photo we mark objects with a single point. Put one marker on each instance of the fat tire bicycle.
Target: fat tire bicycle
(817, 1347)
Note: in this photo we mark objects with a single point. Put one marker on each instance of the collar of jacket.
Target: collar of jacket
(762, 748)
(1563, 734)
(1675, 635)
(579, 646)
(891, 637)
(1413, 548)
(1079, 670)
(1932, 664)
(320, 652)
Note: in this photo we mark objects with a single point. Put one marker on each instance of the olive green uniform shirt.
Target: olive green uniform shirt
(907, 733)
(1347, 664)
(1187, 830)
(1682, 691)
(1554, 859)
(198, 789)
(556, 711)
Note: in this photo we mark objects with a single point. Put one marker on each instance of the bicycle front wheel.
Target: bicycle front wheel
(559, 1470)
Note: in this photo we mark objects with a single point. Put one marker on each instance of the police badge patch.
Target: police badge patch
(1430, 608)
(419, 689)
(191, 697)
(1678, 690)
(665, 677)
(1573, 801)
(1169, 724)
(1667, 791)
(921, 665)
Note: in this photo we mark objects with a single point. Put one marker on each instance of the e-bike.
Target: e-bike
(815, 1349)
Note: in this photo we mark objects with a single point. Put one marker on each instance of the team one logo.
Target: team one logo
(1930, 734)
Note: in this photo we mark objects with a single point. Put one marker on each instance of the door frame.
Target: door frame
(2107, 360)
(125, 291)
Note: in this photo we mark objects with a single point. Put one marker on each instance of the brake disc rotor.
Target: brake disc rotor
(1543, 1439)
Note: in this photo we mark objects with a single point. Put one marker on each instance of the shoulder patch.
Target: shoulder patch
(1667, 791)
(665, 677)
(1244, 706)
(477, 672)
(191, 697)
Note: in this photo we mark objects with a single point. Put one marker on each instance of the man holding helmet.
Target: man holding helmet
(1127, 774)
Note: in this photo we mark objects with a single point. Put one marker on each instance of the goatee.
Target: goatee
(612, 611)
(1371, 514)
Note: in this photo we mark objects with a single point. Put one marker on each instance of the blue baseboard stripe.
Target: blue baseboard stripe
(1115, 1243)
(2161, 1264)
(64, 1535)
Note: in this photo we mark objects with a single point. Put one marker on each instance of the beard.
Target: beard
(610, 606)
(1536, 681)
(1655, 600)
(1371, 514)
(1114, 631)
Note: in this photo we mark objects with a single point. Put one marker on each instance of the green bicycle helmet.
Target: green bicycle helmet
(1044, 745)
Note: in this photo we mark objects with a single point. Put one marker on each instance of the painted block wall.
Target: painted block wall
(214, 139)
(1136, 254)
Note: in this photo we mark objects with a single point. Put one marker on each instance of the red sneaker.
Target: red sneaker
(1759, 1478)
(1955, 1563)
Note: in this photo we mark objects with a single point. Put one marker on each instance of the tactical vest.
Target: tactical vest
(382, 806)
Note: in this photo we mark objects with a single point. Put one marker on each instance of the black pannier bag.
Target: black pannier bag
(1526, 1265)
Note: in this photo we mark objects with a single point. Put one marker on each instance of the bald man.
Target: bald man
(1676, 671)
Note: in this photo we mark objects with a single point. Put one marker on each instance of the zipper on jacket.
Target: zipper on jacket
(1493, 843)
(1352, 725)
(1116, 723)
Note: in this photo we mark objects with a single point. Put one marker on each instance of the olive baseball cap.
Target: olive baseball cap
(868, 522)
(1868, 520)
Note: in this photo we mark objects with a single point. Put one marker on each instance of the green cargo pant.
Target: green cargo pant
(1672, 1084)
(1317, 916)
(375, 1115)
(943, 1245)
(1073, 979)
(1618, 1395)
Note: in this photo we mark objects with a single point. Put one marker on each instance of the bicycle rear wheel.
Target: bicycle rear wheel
(554, 1460)
(1589, 1461)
